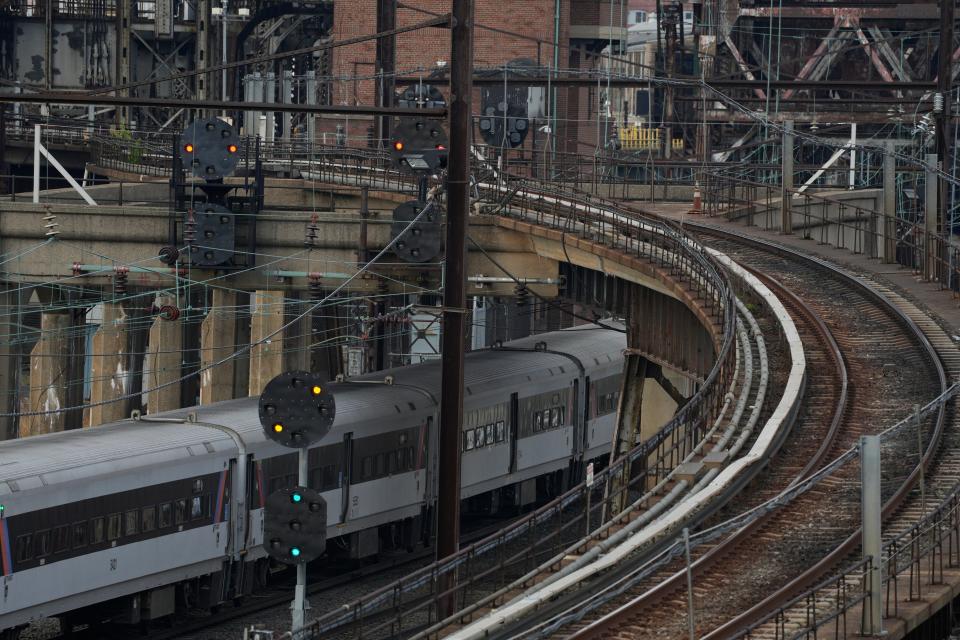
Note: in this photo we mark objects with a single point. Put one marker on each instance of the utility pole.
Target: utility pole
(455, 284)
(386, 63)
(944, 128)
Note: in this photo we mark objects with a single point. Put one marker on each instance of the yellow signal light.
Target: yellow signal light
(317, 390)
(278, 428)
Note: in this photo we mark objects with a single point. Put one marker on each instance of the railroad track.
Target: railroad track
(200, 624)
(815, 534)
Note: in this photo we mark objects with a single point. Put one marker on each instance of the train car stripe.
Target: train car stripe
(5, 548)
(220, 492)
(263, 499)
(423, 432)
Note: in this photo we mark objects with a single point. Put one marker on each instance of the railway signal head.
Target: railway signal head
(210, 148)
(295, 528)
(214, 235)
(418, 145)
(421, 242)
(297, 409)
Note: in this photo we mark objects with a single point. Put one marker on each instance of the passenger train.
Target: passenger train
(128, 521)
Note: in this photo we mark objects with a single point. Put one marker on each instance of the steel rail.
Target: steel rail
(815, 573)
(617, 617)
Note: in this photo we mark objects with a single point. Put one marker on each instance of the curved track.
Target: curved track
(891, 366)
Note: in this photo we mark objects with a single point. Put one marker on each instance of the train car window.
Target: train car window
(79, 534)
(113, 526)
(291, 481)
(316, 478)
(411, 461)
(563, 415)
(330, 477)
(148, 519)
(198, 485)
(180, 511)
(166, 515)
(276, 483)
(196, 508)
(470, 439)
(391, 462)
(61, 538)
(479, 437)
(24, 548)
(501, 431)
(381, 465)
(41, 543)
(96, 531)
(489, 431)
(366, 468)
(537, 421)
(131, 522)
(555, 416)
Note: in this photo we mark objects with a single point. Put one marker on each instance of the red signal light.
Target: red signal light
(232, 148)
(188, 148)
(398, 145)
(440, 147)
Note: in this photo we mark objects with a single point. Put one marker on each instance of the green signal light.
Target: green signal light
(2, 508)
(295, 552)
(296, 497)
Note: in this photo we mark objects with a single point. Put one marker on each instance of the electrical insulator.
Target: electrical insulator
(120, 280)
(313, 286)
(938, 103)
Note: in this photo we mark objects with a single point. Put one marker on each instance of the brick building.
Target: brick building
(542, 36)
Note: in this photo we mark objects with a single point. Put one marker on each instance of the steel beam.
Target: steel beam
(591, 80)
(385, 62)
(81, 98)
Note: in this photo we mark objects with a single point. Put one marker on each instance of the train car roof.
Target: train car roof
(48, 459)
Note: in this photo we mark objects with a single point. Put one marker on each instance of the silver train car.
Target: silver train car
(128, 521)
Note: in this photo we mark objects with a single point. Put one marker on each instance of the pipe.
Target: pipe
(91, 269)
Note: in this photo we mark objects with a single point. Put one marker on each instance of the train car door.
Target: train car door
(346, 472)
(585, 418)
(514, 429)
(579, 426)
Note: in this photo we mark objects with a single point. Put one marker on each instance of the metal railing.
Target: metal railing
(830, 220)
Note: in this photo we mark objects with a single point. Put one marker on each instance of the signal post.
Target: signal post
(296, 410)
